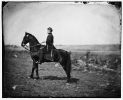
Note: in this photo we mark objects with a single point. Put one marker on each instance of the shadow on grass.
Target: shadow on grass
(72, 80)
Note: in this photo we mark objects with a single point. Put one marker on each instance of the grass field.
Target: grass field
(93, 82)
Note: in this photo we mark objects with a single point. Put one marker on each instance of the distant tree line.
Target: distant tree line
(9, 45)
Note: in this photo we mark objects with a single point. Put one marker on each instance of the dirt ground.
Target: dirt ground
(52, 82)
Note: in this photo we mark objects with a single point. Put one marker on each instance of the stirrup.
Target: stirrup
(38, 62)
(52, 60)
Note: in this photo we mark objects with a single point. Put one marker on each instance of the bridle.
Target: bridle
(27, 47)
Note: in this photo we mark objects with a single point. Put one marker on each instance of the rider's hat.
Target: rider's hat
(50, 29)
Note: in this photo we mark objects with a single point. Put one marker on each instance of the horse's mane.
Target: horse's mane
(33, 37)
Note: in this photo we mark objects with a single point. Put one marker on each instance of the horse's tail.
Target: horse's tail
(68, 66)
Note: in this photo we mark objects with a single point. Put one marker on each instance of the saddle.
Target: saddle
(50, 53)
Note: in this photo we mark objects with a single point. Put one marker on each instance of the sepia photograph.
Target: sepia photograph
(58, 49)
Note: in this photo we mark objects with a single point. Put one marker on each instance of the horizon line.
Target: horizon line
(67, 44)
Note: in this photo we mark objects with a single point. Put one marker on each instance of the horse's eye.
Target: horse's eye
(27, 35)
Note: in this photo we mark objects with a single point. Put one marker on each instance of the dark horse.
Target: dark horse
(63, 57)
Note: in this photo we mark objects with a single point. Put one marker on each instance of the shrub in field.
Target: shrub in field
(114, 63)
(74, 61)
(95, 61)
(9, 45)
(78, 64)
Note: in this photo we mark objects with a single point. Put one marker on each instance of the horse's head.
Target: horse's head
(26, 39)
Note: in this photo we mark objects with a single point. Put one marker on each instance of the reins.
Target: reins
(26, 46)
(35, 45)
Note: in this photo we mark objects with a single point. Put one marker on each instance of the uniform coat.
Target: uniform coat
(49, 39)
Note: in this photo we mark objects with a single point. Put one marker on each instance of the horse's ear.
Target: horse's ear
(26, 34)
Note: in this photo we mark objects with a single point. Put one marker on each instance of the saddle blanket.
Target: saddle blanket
(48, 57)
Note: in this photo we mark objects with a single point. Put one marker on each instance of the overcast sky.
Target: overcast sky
(73, 24)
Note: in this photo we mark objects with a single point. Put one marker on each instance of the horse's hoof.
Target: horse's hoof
(30, 76)
(37, 77)
(68, 81)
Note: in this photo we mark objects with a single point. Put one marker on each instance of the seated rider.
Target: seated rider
(50, 39)
(49, 45)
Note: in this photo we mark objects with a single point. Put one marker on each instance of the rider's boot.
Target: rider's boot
(52, 55)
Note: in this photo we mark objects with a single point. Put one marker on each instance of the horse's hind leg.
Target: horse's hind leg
(68, 75)
(67, 71)
(68, 68)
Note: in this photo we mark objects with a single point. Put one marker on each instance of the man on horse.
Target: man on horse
(50, 39)
(49, 46)
(37, 53)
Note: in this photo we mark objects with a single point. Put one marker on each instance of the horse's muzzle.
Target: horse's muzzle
(22, 44)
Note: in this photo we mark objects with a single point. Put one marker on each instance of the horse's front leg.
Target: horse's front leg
(33, 68)
(36, 69)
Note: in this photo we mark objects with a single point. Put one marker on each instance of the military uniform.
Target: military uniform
(49, 39)
(49, 46)
(49, 42)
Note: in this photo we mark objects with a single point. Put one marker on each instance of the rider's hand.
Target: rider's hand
(44, 42)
